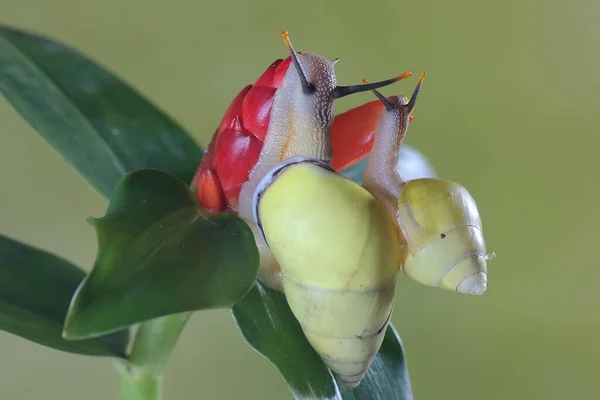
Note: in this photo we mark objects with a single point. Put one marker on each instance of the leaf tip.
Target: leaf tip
(69, 331)
(91, 221)
(73, 330)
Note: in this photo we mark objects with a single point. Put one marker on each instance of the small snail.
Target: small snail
(438, 219)
(300, 125)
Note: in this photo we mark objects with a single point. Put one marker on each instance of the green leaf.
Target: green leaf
(268, 325)
(35, 292)
(101, 126)
(412, 164)
(159, 254)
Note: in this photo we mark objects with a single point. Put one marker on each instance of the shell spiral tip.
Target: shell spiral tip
(475, 284)
(351, 385)
(479, 290)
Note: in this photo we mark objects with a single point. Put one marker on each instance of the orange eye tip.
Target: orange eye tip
(286, 38)
(406, 74)
(365, 81)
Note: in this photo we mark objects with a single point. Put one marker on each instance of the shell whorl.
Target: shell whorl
(347, 345)
(340, 257)
(444, 240)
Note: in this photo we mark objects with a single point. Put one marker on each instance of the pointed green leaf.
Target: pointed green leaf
(101, 126)
(35, 292)
(412, 164)
(160, 254)
(268, 325)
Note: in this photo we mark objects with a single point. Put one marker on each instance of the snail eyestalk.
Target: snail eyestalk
(381, 175)
(413, 99)
(409, 107)
(306, 86)
(388, 105)
(342, 91)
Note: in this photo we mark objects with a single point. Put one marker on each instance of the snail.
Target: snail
(438, 219)
(340, 256)
(300, 125)
(340, 253)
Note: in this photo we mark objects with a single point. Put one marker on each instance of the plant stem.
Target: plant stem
(154, 342)
(141, 376)
(137, 385)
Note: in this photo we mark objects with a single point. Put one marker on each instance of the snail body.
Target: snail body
(439, 224)
(300, 125)
(340, 256)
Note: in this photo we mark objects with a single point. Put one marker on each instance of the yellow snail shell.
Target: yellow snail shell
(340, 256)
(444, 241)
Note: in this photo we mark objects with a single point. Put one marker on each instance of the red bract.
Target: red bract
(235, 155)
(352, 134)
(236, 145)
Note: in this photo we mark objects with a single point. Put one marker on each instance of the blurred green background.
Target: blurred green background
(509, 109)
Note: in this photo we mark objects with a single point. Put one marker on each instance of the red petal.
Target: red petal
(281, 71)
(235, 146)
(256, 110)
(236, 153)
(206, 162)
(233, 115)
(353, 133)
(209, 193)
(266, 79)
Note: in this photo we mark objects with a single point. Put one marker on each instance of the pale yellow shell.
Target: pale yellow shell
(444, 241)
(340, 257)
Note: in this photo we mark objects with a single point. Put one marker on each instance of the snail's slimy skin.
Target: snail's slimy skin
(444, 240)
(439, 223)
(339, 254)
(300, 125)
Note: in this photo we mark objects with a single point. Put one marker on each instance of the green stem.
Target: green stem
(141, 375)
(155, 341)
(136, 385)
